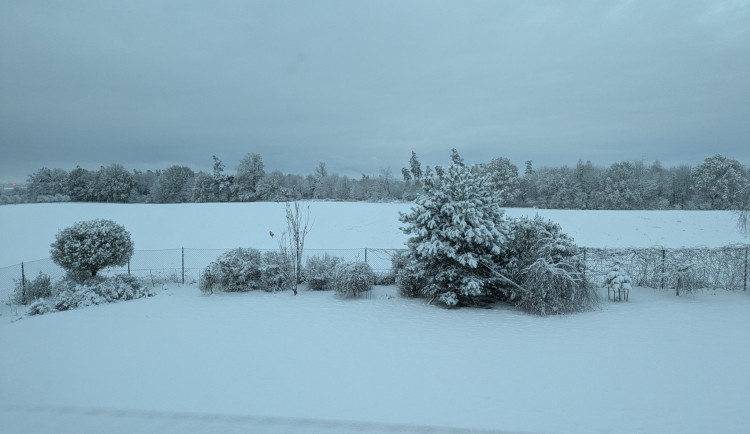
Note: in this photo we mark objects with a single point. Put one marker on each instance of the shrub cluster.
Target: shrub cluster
(540, 271)
(70, 294)
(243, 269)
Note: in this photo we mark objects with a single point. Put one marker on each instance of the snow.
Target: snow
(28, 230)
(261, 362)
(657, 363)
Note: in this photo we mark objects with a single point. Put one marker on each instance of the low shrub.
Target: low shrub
(98, 290)
(617, 282)
(320, 271)
(275, 272)
(236, 270)
(39, 307)
(30, 290)
(70, 294)
(353, 278)
(410, 278)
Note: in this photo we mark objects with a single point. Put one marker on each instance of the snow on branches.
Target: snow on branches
(89, 246)
(456, 223)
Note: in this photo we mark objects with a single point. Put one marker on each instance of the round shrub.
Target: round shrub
(236, 270)
(353, 279)
(89, 246)
(320, 271)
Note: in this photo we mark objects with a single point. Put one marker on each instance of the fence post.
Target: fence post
(584, 264)
(23, 284)
(183, 265)
(744, 285)
(663, 267)
(128, 266)
(365, 255)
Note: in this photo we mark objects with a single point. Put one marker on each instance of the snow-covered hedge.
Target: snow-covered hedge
(89, 246)
(353, 278)
(320, 271)
(245, 270)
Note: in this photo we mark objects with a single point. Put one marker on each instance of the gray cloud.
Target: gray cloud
(361, 84)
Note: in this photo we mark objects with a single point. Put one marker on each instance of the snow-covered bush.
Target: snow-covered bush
(274, 272)
(30, 290)
(39, 307)
(410, 277)
(235, 270)
(72, 294)
(618, 283)
(89, 246)
(547, 269)
(319, 271)
(353, 278)
(456, 227)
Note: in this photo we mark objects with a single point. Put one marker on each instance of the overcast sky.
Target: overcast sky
(360, 84)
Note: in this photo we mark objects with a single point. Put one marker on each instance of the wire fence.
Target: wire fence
(679, 269)
(183, 265)
(656, 267)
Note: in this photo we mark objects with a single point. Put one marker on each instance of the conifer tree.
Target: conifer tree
(455, 227)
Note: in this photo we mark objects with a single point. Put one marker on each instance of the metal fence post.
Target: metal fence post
(584, 264)
(23, 284)
(744, 284)
(128, 266)
(183, 265)
(365, 255)
(663, 266)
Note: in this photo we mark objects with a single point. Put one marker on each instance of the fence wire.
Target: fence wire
(183, 265)
(656, 267)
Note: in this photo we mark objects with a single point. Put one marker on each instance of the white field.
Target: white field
(259, 362)
(28, 230)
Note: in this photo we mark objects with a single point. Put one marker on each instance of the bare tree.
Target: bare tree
(292, 241)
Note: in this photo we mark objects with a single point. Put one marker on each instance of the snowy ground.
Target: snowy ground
(259, 362)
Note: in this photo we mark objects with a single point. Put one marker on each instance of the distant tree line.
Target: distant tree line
(717, 183)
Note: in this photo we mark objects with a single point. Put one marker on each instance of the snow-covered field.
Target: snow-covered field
(26, 231)
(259, 362)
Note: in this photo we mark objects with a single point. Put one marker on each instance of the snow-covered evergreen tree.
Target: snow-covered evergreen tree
(456, 225)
